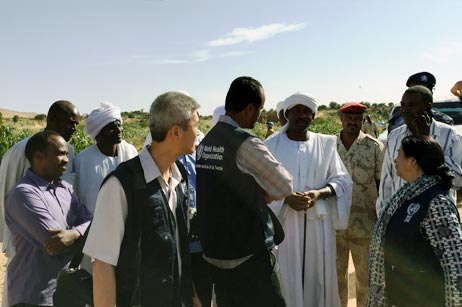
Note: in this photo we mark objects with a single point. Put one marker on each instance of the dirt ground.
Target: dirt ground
(351, 302)
(351, 272)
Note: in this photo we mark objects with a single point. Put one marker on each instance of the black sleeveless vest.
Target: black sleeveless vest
(234, 219)
(413, 274)
(151, 278)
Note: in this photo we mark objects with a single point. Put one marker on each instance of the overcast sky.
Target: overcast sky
(128, 52)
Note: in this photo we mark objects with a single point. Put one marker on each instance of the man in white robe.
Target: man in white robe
(320, 204)
(63, 117)
(94, 163)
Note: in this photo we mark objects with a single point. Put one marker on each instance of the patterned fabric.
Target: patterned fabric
(444, 134)
(364, 164)
(370, 129)
(253, 158)
(363, 161)
(442, 229)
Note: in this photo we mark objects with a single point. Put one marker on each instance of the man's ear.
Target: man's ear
(174, 131)
(249, 107)
(428, 107)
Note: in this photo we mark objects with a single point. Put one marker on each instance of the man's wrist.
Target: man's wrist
(329, 191)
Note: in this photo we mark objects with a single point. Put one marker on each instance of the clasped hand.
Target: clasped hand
(302, 201)
(61, 240)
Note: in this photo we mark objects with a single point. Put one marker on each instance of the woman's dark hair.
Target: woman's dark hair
(429, 156)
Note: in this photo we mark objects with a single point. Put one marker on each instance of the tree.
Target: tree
(15, 119)
(40, 117)
(333, 105)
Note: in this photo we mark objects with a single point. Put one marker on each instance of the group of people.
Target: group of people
(258, 223)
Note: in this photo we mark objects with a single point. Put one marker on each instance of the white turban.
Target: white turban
(184, 92)
(279, 107)
(100, 117)
(219, 111)
(300, 98)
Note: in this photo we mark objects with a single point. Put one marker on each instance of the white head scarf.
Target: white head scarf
(279, 107)
(219, 111)
(300, 98)
(100, 117)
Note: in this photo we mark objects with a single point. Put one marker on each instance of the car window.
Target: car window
(451, 108)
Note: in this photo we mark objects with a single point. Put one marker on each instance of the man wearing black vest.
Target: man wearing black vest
(138, 237)
(236, 178)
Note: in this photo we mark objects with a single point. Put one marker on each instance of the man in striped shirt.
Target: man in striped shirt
(416, 105)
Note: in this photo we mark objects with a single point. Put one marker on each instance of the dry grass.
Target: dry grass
(10, 114)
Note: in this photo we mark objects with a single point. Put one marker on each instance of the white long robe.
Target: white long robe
(313, 164)
(92, 166)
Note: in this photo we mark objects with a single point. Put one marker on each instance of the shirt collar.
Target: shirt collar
(361, 136)
(433, 131)
(41, 183)
(151, 170)
(228, 120)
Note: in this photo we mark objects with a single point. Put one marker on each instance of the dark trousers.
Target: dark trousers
(202, 278)
(254, 283)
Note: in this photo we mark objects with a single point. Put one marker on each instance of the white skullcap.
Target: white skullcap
(300, 98)
(100, 117)
(279, 107)
(184, 92)
(219, 111)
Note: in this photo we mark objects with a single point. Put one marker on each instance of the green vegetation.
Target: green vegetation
(80, 140)
(10, 136)
(40, 117)
(136, 125)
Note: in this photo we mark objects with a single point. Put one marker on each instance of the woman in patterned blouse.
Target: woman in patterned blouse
(415, 257)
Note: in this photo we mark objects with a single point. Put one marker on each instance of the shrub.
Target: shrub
(8, 138)
(40, 117)
(80, 140)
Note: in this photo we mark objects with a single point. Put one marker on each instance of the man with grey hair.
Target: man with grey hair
(141, 209)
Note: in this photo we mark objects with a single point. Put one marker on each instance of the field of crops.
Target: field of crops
(136, 126)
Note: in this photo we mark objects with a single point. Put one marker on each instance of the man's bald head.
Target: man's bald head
(63, 117)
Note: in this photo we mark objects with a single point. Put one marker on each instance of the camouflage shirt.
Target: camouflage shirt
(364, 163)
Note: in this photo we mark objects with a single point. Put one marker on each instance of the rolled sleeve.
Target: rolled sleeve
(253, 158)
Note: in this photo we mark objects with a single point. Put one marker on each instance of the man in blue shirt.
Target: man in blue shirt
(45, 218)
